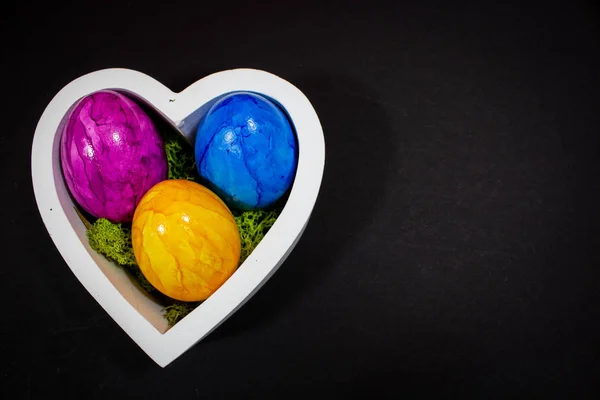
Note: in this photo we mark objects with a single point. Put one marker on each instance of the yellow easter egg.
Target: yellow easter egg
(185, 240)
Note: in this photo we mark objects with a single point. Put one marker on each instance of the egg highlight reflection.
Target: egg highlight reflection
(111, 154)
(246, 150)
(185, 240)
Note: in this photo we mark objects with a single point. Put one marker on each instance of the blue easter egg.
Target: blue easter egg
(246, 150)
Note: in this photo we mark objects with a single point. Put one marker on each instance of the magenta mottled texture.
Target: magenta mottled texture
(111, 155)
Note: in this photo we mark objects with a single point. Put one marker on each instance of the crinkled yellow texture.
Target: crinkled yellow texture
(185, 240)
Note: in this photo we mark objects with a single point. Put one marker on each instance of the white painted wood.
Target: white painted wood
(138, 314)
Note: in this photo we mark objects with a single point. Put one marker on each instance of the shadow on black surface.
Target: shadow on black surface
(357, 132)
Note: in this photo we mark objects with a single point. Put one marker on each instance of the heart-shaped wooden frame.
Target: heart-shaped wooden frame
(137, 314)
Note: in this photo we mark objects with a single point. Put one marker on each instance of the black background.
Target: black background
(454, 247)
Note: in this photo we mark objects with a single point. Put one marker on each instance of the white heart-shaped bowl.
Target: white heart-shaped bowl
(138, 314)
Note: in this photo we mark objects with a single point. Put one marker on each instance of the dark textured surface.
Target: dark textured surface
(454, 248)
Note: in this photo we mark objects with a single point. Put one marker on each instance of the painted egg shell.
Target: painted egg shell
(111, 155)
(185, 240)
(246, 150)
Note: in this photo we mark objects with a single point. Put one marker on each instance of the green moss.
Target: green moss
(180, 158)
(113, 240)
(179, 309)
(143, 282)
(253, 226)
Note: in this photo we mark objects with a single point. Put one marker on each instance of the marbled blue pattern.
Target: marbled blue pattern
(246, 150)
